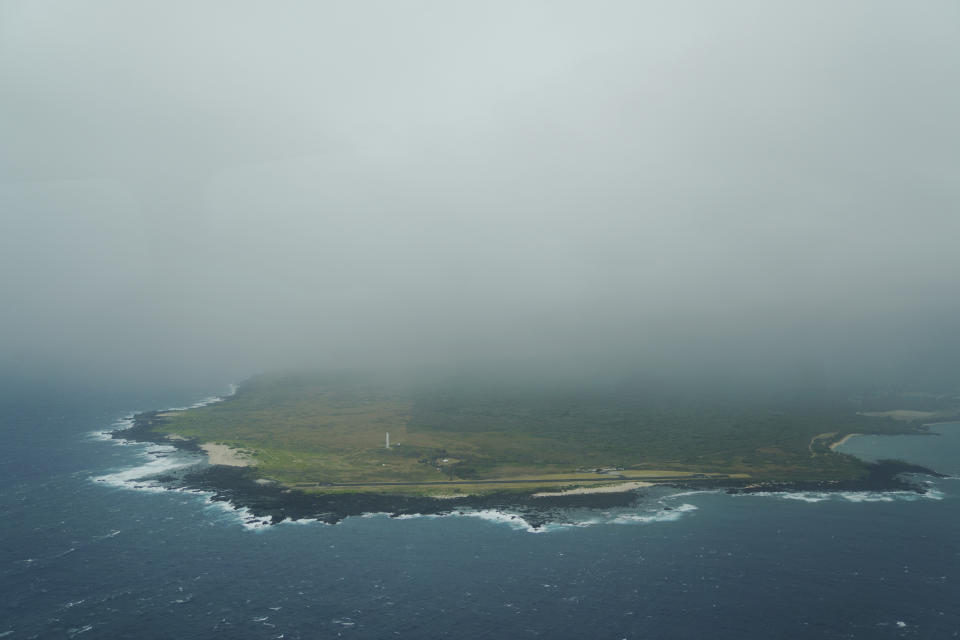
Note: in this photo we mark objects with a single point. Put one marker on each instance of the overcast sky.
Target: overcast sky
(232, 186)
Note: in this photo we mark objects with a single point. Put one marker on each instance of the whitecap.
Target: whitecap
(499, 517)
(232, 390)
(139, 477)
(513, 520)
(78, 631)
(516, 521)
(891, 496)
(376, 514)
(806, 497)
(867, 496)
(246, 518)
(657, 516)
(122, 424)
(683, 494)
(298, 521)
(849, 496)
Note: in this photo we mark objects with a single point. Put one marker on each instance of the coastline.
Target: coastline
(271, 503)
(882, 476)
(228, 478)
(833, 446)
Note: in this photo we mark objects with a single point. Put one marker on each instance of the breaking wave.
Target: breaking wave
(850, 496)
(522, 522)
(158, 459)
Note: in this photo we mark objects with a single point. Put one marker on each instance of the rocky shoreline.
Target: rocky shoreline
(272, 504)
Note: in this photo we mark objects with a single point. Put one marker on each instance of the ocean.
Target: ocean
(87, 553)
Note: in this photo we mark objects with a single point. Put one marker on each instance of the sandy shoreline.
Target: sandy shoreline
(833, 447)
(222, 454)
(903, 415)
(610, 488)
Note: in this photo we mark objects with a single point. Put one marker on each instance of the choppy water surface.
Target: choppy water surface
(85, 554)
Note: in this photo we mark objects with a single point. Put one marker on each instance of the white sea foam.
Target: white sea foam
(868, 496)
(512, 520)
(300, 521)
(232, 390)
(160, 459)
(683, 494)
(246, 518)
(655, 516)
(411, 516)
(805, 497)
(122, 424)
(518, 522)
(850, 496)
(127, 421)
(499, 517)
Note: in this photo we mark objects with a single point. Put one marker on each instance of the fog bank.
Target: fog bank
(738, 191)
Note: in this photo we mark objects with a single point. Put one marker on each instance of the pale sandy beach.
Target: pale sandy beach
(610, 488)
(222, 454)
(833, 447)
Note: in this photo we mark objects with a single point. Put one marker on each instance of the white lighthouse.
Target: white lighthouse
(388, 439)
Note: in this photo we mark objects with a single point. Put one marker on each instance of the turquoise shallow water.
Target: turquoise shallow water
(938, 451)
(87, 559)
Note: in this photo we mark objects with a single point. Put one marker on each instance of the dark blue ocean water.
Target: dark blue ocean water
(81, 558)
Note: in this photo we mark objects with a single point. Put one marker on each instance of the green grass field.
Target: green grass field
(331, 429)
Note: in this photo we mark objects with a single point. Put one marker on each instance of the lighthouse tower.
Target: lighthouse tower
(388, 439)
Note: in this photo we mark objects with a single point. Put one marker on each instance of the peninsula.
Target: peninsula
(354, 439)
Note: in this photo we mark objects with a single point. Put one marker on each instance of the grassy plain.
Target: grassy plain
(322, 430)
